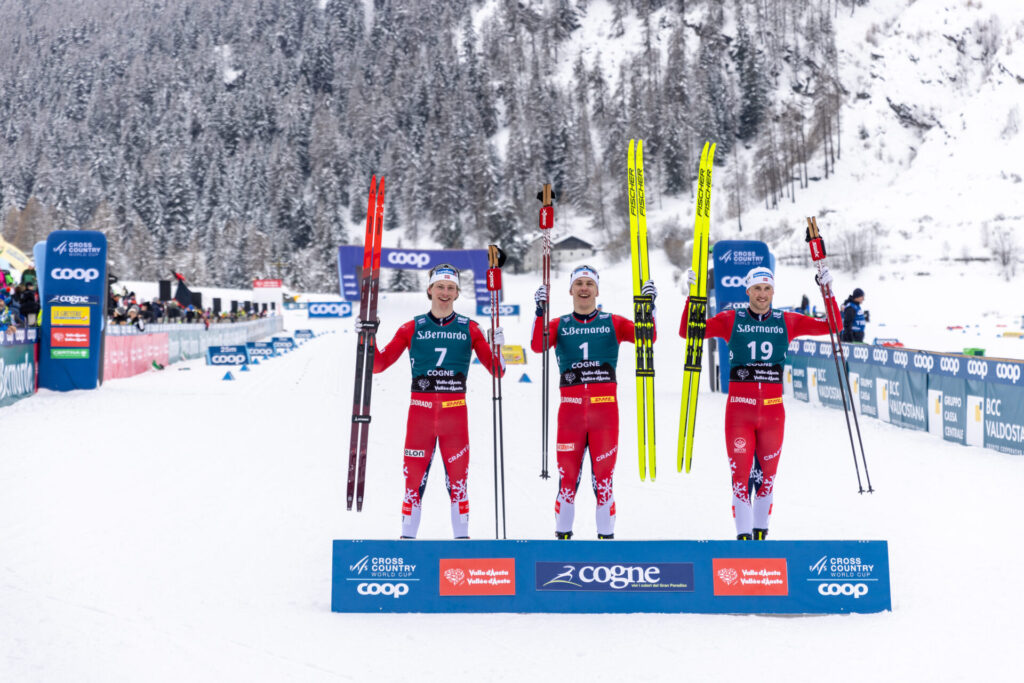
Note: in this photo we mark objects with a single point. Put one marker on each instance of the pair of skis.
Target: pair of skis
(818, 255)
(643, 310)
(365, 345)
(697, 310)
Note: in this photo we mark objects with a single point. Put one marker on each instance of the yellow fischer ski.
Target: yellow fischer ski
(697, 313)
(643, 310)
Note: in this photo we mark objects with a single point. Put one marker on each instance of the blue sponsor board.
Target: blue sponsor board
(73, 285)
(350, 266)
(227, 355)
(260, 349)
(732, 577)
(637, 577)
(283, 344)
(504, 310)
(329, 309)
(303, 334)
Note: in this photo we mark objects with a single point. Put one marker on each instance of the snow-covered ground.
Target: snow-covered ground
(175, 526)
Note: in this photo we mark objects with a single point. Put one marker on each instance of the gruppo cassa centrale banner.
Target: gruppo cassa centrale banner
(74, 290)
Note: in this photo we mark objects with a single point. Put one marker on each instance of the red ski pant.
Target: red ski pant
(436, 419)
(588, 418)
(754, 425)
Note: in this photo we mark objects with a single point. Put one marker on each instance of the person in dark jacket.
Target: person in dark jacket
(28, 303)
(854, 317)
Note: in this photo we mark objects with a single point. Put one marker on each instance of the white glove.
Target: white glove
(497, 335)
(541, 296)
(691, 277)
(823, 278)
(650, 290)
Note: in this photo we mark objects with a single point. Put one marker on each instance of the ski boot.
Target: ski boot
(563, 535)
(743, 537)
(606, 537)
(760, 534)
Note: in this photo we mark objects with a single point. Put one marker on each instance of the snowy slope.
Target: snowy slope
(178, 527)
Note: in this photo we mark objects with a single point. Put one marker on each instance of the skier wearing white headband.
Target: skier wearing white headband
(758, 338)
(441, 344)
(586, 344)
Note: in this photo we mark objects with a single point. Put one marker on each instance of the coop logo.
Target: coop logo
(846, 589)
(84, 274)
(77, 249)
(860, 353)
(336, 309)
(978, 368)
(900, 358)
(227, 359)
(951, 365)
(1008, 371)
(810, 347)
(924, 362)
(395, 590)
(408, 258)
(880, 355)
(733, 281)
(632, 577)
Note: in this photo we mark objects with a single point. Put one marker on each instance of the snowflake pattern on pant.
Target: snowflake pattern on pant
(739, 490)
(603, 490)
(459, 491)
(412, 497)
(766, 487)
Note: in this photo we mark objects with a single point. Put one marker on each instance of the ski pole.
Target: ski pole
(547, 221)
(818, 256)
(496, 259)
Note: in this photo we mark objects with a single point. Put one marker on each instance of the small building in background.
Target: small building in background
(565, 253)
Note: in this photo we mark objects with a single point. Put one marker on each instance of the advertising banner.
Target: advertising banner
(504, 310)
(329, 309)
(282, 344)
(1004, 418)
(227, 355)
(130, 355)
(304, 335)
(260, 349)
(947, 408)
(775, 577)
(17, 372)
(350, 265)
(75, 284)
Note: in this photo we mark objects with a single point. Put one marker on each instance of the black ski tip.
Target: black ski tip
(540, 196)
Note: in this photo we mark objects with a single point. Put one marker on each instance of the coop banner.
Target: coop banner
(74, 281)
(227, 355)
(731, 577)
(329, 309)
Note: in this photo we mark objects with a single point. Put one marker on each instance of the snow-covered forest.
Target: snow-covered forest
(233, 138)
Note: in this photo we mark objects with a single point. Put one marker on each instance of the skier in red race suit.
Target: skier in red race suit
(440, 345)
(755, 420)
(586, 344)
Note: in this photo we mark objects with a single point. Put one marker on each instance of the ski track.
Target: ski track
(175, 526)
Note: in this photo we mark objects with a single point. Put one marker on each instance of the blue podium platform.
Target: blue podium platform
(712, 577)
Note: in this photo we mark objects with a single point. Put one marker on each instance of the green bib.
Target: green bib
(440, 355)
(587, 353)
(757, 348)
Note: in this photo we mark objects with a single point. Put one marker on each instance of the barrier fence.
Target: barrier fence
(968, 400)
(127, 351)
